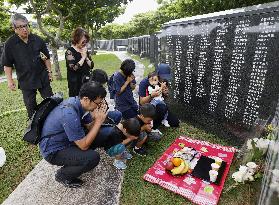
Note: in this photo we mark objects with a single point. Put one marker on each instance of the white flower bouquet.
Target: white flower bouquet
(257, 148)
(245, 173)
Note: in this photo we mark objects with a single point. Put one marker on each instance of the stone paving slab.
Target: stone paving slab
(102, 185)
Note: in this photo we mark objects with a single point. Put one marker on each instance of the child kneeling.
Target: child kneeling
(119, 137)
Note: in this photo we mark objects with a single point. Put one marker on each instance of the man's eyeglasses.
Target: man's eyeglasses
(98, 104)
(22, 26)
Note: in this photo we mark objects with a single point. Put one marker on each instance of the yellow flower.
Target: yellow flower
(269, 128)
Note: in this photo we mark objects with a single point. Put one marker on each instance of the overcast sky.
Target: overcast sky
(135, 7)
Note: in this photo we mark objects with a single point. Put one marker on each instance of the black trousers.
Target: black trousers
(74, 88)
(161, 110)
(29, 98)
(74, 161)
(75, 83)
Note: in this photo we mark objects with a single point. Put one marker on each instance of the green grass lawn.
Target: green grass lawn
(109, 62)
(21, 157)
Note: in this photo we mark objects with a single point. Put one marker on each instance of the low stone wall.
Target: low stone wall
(270, 183)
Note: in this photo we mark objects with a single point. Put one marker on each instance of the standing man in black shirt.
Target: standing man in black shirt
(28, 54)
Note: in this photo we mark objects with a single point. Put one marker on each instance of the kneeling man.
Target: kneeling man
(64, 142)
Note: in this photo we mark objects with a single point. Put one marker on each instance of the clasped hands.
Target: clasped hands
(163, 89)
(84, 52)
(100, 113)
(130, 78)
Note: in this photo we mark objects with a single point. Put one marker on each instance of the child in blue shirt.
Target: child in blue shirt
(124, 83)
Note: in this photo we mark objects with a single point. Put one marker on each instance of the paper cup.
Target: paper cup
(213, 175)
(215, 166)
(218, 160)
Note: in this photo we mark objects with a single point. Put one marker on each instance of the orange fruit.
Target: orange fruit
(176, 161)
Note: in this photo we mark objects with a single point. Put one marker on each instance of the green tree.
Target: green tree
(108, 31)
(54, 16)
(101, 17)
(5, 26)
(141, 24)
(116, 31)
(94, 19)
(173, 9)
(145, 23)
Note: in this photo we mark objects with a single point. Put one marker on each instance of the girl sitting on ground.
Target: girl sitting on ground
(156, 85)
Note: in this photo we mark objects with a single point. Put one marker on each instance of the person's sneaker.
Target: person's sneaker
(140, 151)
(74, 183)
(154, 136)
(165, 123)
(126, 155)
(157, 131)
(119, 164)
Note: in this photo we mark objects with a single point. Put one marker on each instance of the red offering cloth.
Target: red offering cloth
(192, 188)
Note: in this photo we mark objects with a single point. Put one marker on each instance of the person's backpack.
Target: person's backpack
(111, 87)
(33, 131)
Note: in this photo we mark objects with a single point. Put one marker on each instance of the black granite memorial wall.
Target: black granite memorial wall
(104, 44)
(135, 45)
(143, 45)
(225, 66)
(110, 44)
(119, 42)
(153, 49)
(130, 45)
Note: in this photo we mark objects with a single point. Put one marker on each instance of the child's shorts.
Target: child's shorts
(116, 150)
(140, 138)
(157, 102)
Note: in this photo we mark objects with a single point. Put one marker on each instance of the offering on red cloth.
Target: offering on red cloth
(190, 151)
(182, 161)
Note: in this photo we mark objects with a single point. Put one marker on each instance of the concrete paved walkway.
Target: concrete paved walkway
(102, 185)
(4, 79)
